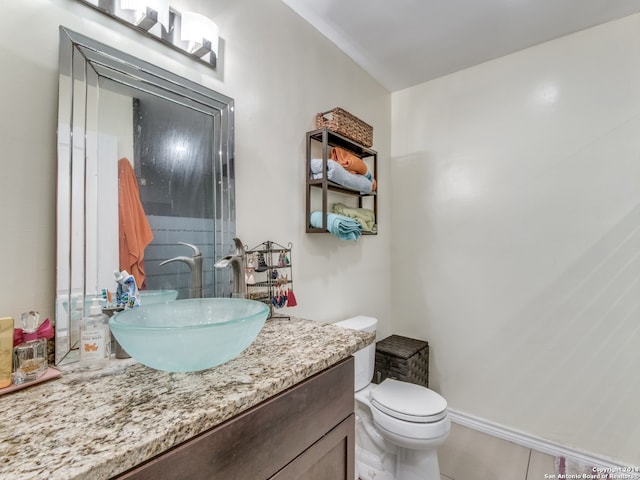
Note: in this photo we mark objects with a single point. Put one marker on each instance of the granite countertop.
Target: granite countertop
(96, 425)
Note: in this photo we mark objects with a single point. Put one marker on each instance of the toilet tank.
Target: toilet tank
(366, 357)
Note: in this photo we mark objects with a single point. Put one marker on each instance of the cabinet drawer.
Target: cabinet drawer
(330, 458)
(261, 441)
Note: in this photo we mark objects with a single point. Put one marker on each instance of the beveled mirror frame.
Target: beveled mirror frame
(83, 64)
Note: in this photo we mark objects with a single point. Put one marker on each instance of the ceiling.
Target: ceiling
(402, 43)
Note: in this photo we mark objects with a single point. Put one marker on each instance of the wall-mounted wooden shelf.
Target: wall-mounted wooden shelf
(328, 139)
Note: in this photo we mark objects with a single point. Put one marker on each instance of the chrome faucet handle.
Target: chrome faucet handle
(239, 247)
(196, 250)
(237, 263)
(188, 260)
(197, 256)
(195, 266)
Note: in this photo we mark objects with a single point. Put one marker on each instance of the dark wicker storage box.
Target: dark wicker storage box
(402, 358)
(347, 125)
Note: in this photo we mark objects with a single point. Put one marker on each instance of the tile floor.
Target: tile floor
(471, 455)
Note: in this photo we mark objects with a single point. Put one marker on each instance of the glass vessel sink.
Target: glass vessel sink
(147, 297)
(189, 335)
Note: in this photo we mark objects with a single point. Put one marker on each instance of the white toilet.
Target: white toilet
(399, 425)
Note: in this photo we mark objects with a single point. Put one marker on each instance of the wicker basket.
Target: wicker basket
(347, 125)
(402, 358)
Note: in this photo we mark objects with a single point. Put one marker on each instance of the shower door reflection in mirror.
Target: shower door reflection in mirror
(145, 161)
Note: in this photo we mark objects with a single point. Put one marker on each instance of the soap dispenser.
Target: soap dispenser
(95, 338)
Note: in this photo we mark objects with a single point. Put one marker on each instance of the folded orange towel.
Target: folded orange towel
(351, 163)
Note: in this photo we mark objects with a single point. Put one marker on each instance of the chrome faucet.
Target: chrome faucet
(195, 265)
(237, 263)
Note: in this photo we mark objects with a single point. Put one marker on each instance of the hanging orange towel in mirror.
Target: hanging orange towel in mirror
(135, 232)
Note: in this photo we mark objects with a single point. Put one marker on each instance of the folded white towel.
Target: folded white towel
(337, 174)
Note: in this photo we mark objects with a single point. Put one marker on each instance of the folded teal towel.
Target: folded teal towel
(344, 228)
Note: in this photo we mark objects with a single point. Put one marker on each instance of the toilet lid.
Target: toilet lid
(407, 401)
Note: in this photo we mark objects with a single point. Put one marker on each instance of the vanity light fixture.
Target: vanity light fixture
(200, 33)
(190, 33)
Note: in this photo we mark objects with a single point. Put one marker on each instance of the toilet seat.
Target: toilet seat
(408, 402)
(410, 434)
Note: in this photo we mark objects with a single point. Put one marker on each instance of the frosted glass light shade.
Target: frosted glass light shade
(132, 4)
(197, 29)
(140, 7)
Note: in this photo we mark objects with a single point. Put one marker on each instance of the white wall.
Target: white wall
(515, 209)
(516, 244)
(280, 72)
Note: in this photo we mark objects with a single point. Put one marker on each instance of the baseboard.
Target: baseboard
(533, 442)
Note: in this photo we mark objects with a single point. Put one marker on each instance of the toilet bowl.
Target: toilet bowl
(399, 425)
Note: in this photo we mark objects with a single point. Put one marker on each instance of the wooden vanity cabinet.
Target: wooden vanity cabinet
(306, 432)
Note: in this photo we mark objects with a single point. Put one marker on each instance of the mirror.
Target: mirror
(145, 161)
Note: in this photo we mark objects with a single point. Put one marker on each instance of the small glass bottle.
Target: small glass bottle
(6, 351)
(30, 357)
(95, 338)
